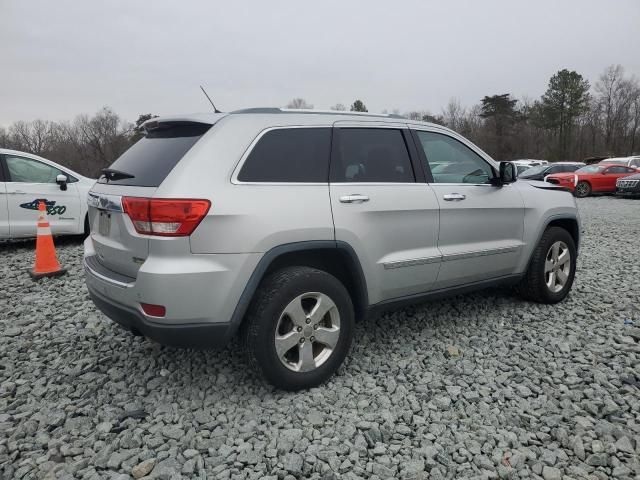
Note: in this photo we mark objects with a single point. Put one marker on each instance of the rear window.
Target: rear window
(299, 155)
(151, 159)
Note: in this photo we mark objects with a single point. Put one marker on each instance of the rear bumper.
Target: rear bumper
(199, 292)
(180, 335)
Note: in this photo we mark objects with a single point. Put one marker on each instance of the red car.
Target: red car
(592, 179)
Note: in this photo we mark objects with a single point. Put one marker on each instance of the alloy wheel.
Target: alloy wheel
(557, 266)
(307, 332)
(582, 189)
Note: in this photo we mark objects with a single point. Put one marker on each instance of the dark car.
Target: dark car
(541, 171)
(628, 186)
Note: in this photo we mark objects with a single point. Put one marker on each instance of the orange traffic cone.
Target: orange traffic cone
(47, 264)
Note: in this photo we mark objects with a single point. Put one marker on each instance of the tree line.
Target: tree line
(572, 120)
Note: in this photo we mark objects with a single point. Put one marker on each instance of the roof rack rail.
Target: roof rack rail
(310, 111)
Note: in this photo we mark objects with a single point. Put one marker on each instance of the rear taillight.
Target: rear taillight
(165, 217)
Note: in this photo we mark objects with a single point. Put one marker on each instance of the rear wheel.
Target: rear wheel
(552, 268)
(299, 327)
(583, 189)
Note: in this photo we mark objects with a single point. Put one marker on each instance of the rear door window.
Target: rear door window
(375, 155)
(291, 155)
(149, 161)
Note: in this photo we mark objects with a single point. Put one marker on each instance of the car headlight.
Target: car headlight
(575, 180)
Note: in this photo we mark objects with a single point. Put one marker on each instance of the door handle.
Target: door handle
(454, 197)
(16, 192)
(354, 198)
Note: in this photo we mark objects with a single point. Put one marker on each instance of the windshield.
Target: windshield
(590, 169)
(529, 172)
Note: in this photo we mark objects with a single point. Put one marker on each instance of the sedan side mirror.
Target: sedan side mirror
(62, 181)
(507, 174)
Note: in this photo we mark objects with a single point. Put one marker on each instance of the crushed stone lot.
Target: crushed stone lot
(476, 386)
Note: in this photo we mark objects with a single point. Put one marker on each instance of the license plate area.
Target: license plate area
(104, 223)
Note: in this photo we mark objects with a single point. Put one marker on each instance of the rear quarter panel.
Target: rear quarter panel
(246, 218)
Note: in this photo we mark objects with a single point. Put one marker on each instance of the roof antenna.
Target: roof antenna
(210, 101)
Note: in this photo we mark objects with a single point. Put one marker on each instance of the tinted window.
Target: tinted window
(451, 161)
(289, 155)
(619, 170)
(152, 158)
(532, 171)
(30, 171)
(371, 155)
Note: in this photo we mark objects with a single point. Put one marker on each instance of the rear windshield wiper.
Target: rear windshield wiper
(113, 175)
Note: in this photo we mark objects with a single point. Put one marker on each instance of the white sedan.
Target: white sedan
(25, 179)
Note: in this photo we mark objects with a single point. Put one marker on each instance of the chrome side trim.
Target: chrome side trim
(411, 263)
(103, 201)
(448, 258)
(479, 253)
(104, 278)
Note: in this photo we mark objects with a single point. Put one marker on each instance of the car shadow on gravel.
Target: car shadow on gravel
(426, 328)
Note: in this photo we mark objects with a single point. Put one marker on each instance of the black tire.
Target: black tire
(583, 189)
(533, 286)
(87, 229)
(259, 328)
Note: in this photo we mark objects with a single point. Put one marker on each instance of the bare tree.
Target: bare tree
(454, 114)
(5, 142)
(339, 107)
(616, 95)
(35, 137)
(635, 123)
(299, 103)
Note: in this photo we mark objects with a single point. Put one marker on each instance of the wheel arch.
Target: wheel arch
(570, 224)
(567, 222)
(335, 257)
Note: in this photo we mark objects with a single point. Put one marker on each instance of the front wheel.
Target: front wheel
(583, 189)
(299, 327)
(552, 269)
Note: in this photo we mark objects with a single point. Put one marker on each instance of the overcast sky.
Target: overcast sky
(60, 58)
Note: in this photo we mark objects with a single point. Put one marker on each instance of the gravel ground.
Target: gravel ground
(482, 386)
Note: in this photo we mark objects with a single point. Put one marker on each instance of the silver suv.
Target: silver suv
(287, 226)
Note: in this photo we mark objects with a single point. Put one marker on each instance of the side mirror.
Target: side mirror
(507, 174)
(62, 181)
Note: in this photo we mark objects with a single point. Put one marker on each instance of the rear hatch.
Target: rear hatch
(137, 173)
